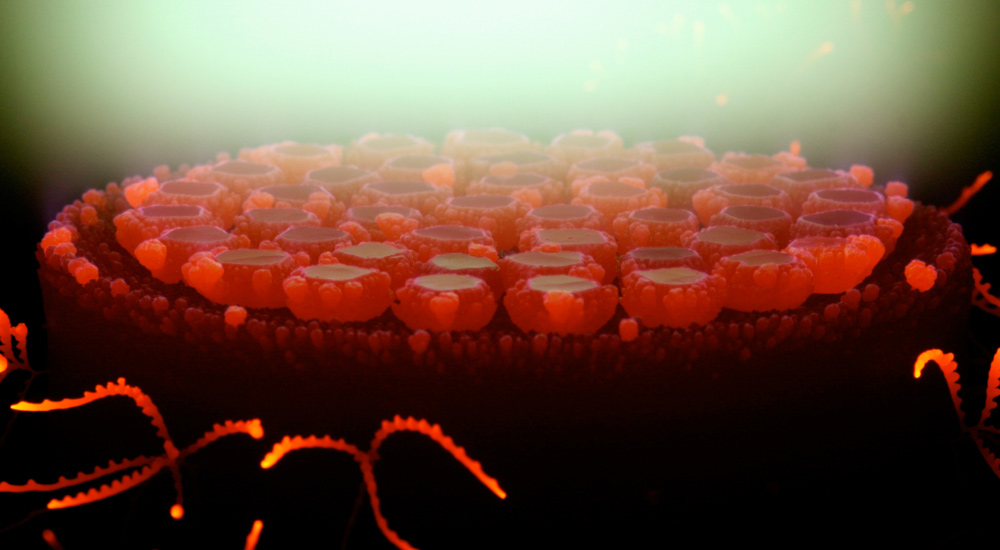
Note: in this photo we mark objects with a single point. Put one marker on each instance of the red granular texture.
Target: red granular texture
(838, 263)
(673, 154)
(652, 227)
(561, 216)
(534, 189)
(343, 182)
(421, 196)
(764, 281)
(800, 184)
(920, 276)
(385, 223)
(312, 240)
(464, 264)
(148, 222)
(399, 262)
(248, 278)
(239, 176)
(611, 198)
(294, 159)
(676, 297)
(582, 144)
(338, 292)
(308, 197)
(516, 162)
(209, 195)
(496, 215)
(680, 185)
(583, 306)
(260, 224)
(440, 239)
(422, 305)
(525, 265)
(164, 256)
(743, 168)
(643, 259)
(597, 244)
(758, 218)
(860, 200)
(611, 168)
(841, 223)
(713, 243)
(709, 202)
(372, 150)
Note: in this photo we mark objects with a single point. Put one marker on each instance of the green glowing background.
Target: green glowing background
(95, 91)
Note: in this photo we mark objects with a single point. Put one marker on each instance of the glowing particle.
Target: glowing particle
(50, 538)
(721, 100)
(983, 249)
(254, 535)
(177, 511)
(968, 192)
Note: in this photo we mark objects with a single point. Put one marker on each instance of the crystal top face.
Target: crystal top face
(482, 201)
(758, 258)
(613, 189)
(189, 188)
(388, 143)
(667, 215)
(663, 253)
(495, 136)
(750, 190)
(197, 234)
(562, 211)
(249, 256)
(243, 168)
(301, 150)
(674, 147)
(754, 213)
(278, 215)
(446, 282)
(401, 187)
(607, 164)
(519, 180)
(838, 217)
(565, 258)
(450, 232)
(335, 272)
(311, 234)
(417, 162)
(371, 250)
(370, 213)
(577, 140)
(673, 275)
(849, 195)
(292, 192)
(729, 235)
(461, 261)
(337, 174)
(164, 211)
(516, 157)
(813, 174)
(571, 236)
(753, 162)
(687, 175)
(563, 283)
